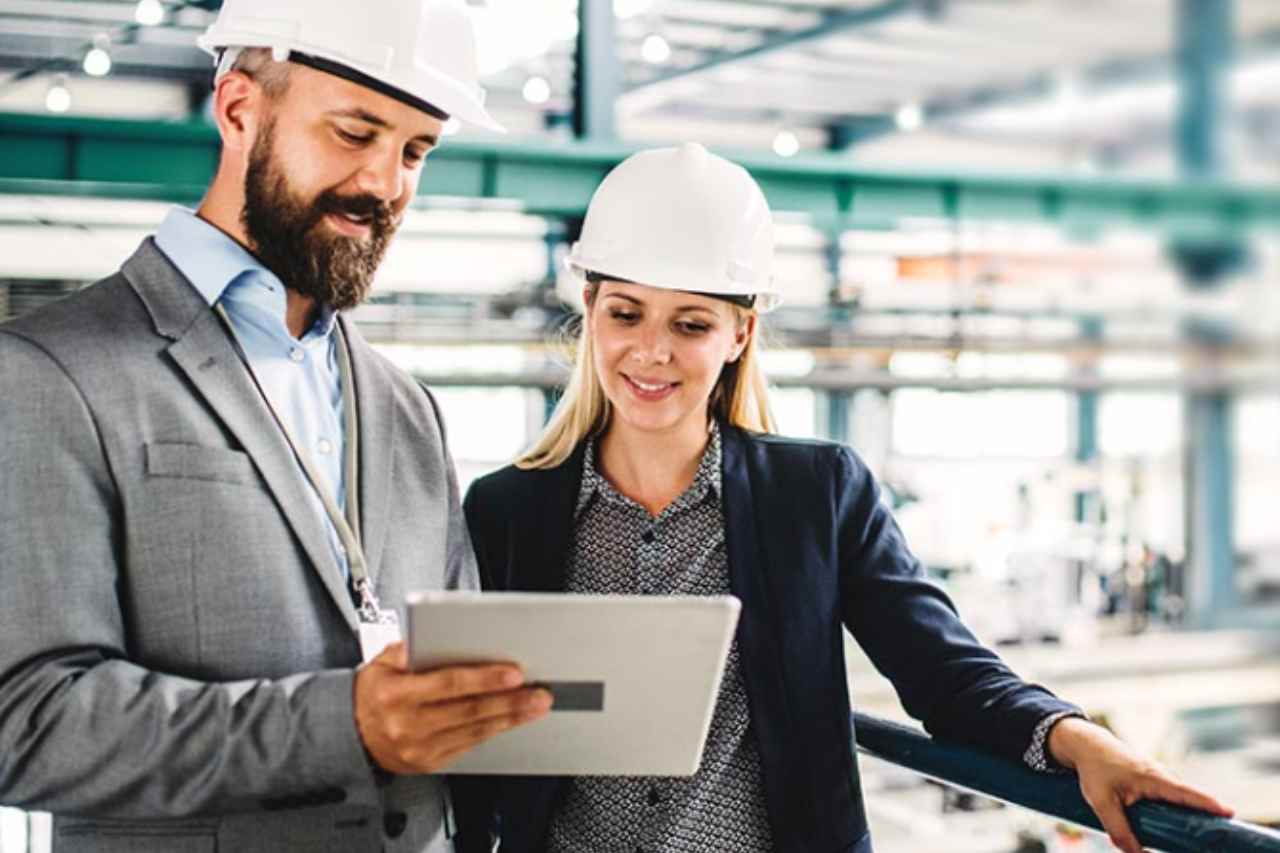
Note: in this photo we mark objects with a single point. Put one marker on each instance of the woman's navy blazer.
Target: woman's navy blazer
(811, 548)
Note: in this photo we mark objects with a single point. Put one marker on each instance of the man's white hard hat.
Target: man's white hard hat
(421, 52)
(681, 219)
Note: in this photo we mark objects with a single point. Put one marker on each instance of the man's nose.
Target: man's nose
(382, 176)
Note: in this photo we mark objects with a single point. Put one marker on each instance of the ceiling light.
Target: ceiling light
(97, 62)
(58, 99)
(537, 90)
(630, 8)
(909, 117)
(785, 144)
(655, 50)
(149, 13)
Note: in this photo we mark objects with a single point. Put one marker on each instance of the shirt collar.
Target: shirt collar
(216, 264)
(707, 480)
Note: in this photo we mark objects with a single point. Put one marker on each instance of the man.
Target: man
(213, 488)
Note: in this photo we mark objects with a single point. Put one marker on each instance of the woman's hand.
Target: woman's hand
(1113, 776)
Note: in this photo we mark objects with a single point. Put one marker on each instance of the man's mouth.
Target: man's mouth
(351, 224)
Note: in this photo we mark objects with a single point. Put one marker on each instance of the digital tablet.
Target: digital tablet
(634, 678)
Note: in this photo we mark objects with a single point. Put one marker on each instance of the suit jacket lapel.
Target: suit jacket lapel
(375, 403)
(203, 351)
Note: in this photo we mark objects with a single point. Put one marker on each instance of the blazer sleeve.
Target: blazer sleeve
(85, 731)
(959, 689)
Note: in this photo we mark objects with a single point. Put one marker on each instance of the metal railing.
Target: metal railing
(1158, 826)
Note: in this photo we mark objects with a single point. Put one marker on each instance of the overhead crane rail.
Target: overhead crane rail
(173, 161)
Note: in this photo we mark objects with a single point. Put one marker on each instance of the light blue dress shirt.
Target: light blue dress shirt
(299, 376)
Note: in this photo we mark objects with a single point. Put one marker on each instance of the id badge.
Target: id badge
(376, 636)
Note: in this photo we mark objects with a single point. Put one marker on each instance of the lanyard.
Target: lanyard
(347, 525)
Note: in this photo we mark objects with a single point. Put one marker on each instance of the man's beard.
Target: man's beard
(287, 234)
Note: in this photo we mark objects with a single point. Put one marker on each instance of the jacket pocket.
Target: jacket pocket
(133, 838)
(197, 462)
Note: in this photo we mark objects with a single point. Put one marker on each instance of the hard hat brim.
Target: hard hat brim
(446, 104)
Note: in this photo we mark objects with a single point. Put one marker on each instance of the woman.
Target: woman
(657, 474)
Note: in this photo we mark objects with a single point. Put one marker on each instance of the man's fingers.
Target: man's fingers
(396, 656)
(462, 712)
(448, 745)
(450, 683)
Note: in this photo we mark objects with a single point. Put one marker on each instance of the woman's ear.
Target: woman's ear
(746, 329)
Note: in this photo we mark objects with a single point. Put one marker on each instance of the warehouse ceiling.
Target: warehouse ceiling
(1067, 85)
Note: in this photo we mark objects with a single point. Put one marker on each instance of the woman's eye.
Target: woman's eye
(692, 328)
(624, 316)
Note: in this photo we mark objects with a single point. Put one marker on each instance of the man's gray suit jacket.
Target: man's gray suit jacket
(177, 642)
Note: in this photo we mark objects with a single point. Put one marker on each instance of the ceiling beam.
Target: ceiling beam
(653, 93)
(68, 156)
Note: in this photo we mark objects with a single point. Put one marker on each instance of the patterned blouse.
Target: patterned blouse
(619, 548)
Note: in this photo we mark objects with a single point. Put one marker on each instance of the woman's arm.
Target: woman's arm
(959, 689)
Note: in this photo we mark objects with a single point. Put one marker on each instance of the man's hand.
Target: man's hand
(1113, 777)
(419, 722)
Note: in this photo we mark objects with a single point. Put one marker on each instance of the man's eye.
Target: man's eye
(354, 138)
(413, 156)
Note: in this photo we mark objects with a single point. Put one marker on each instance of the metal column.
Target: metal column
(1085, 427)
(833, 415)
(1204, 52)
(597, 77)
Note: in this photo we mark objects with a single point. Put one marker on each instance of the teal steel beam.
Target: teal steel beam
(1209, 508)
(652, 92)
(1204, 30)
(1203, 56)
(1086, 424)
(833, 409)
(1159, 826)
(597, 74)
(59, 155)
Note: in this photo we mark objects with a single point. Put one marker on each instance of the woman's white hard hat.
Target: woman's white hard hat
(421, 52)
(681, 219)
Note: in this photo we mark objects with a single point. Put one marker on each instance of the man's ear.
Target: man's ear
(238, 108)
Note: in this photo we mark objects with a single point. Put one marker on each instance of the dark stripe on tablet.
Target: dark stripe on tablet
(574, 695)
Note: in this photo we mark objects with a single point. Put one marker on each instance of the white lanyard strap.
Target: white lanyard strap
(347, 525)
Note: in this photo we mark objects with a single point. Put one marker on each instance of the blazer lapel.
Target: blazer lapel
(203, 351)
(375, 403)
(548, 524)
(759, 635)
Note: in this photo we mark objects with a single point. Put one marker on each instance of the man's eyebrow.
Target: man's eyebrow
(361, 115)
(378, 121)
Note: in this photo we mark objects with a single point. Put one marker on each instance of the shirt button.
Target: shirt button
(394, 824)
(325, 446)
(654, 797)
(296, 355)
(648, 537)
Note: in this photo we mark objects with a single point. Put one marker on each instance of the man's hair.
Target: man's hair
(261, 67)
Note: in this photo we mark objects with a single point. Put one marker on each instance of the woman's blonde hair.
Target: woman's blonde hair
(740, 397)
